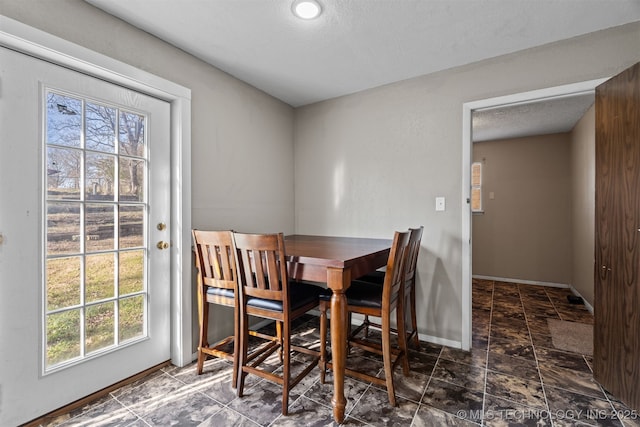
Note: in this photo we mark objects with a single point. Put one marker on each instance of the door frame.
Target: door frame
(39, 44)
(467, 154)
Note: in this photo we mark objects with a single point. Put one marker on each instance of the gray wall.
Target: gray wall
(583, 190)
(373, 162)
(525, 231)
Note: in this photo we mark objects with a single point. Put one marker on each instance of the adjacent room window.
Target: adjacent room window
(476, 187)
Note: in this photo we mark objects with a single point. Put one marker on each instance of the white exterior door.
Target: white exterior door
(84, 199)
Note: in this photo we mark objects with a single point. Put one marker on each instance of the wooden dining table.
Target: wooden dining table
(336, 261)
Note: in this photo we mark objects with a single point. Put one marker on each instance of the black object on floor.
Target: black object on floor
(574, 299)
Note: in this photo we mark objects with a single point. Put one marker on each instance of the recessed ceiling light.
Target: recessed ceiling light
(306, 9)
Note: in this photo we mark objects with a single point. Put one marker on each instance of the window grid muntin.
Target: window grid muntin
(83, 201)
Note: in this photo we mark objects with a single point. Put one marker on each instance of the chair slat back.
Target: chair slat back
(411, 264)
(394, 277)
(214, 258)
(262, 265)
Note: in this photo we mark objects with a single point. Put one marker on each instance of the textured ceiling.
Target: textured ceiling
(547, 116)
(360, 44)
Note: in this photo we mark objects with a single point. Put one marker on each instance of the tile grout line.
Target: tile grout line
(138, 416)
(606, 397)
(535, 352)
(223, 405)
(486, 361)
(553, 305)
(91, 409)
(526, 405)
(420, 402)
(348, 414)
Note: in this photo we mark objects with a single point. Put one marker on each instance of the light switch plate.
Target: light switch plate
(440, 204)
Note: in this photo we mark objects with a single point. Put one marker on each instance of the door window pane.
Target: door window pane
(63, 228)
(101, 128)
(99, 223)
(100, 172)
(131, 272)
(131, 226)
(99, 328)
(63, 282)
(64, 171)
(131, 323)
(63, 336)
(99, 277)
(131, 134)
(64, 120)
(132, 174)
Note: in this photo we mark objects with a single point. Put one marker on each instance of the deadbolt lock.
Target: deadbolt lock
(162, 245)
(162, 226)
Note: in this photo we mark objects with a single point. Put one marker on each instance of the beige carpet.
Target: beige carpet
(572, 336)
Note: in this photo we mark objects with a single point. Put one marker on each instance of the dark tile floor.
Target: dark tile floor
(513, 376)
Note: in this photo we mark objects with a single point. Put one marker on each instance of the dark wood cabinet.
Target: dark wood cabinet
(617, 234)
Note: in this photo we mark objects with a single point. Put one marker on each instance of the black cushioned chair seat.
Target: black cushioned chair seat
(377, 277)
(361, 293)
(221, 292)
(300, 294)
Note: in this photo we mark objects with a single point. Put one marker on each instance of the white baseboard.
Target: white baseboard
(440, 341)
(524, 282)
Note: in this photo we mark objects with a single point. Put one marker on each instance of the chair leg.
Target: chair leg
(236, 348)
(386, 357)
(322, 364)
(279, 337)
(203, 319)
(349, 328)
(287, 368)
(366, 325)
(201, 359)
(402, 338)
(243, 341)
(414, 321)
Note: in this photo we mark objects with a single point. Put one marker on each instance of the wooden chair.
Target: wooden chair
(265, 291)
(217, 283)
(409, 290)
(378, 301)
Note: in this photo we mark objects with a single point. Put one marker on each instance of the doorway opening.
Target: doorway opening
(469, 109)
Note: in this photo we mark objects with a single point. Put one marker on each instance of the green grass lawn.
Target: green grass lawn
(63, 290)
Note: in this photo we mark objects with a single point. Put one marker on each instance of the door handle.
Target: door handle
(162, 245)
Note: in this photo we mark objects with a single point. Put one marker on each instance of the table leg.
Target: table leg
(338, 280)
